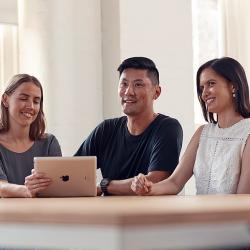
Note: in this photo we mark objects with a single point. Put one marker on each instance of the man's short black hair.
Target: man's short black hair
(141, 63)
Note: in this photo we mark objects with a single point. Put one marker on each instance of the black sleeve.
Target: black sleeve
(166, 147)
(92, 145)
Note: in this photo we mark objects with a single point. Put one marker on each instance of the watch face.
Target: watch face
(104, 182)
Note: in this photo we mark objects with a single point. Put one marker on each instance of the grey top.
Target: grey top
(14, 167)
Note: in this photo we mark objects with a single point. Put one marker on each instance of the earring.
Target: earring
(233, 93)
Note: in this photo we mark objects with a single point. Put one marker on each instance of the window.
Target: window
(205, 40)
(8, 53)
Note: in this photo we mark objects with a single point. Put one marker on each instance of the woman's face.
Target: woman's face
(23, 104)
(217, 92)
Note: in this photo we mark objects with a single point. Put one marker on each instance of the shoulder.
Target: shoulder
(49, 145)
(112, 123)
(115, 121)
(47, 139)
(163, 119)
(167, 123)
(200, 130)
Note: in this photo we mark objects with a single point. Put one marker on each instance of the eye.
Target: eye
(211, 83)
(37, 101)
(139, 84)
(23, 98)
(123, 84)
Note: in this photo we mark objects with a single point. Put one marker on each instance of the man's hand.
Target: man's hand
(35, 183)
(140, 185)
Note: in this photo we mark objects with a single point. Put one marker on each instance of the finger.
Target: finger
(40, 186)
(139, 181)
(35, 191)
(37, 181)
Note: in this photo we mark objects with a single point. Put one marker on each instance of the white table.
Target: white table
(126, 223)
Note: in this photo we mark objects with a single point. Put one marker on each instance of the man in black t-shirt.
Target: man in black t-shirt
(140, 142)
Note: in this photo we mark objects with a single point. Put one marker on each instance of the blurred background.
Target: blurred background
(75, 46)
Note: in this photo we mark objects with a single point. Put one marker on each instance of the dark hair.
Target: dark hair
(233, 72)
(37, 128)
(141, 63)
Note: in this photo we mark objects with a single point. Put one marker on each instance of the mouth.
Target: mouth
(128, 101)
(209, 100)
(27, 115)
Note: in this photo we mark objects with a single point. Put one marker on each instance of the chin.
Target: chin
(129, 112)
(212, 110)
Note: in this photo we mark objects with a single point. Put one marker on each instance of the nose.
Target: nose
(129, 89)
(204, 93)
(30, 104)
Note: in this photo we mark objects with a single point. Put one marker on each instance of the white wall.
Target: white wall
(60, 43)
(111, 56)
(8, 11)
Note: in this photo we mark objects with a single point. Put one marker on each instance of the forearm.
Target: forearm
(120, 187)
(12, 190)
(166, 187)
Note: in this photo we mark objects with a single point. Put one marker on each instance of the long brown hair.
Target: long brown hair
(37, 128)
(234, 73)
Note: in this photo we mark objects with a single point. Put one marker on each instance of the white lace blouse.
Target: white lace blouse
(218, 159)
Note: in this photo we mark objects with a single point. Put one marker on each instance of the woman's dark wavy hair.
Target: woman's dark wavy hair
(233, 72)
(37, 128)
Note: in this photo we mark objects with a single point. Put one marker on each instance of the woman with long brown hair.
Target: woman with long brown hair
(22, 137)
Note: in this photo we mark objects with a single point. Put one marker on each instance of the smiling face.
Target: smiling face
(216, 92)
(23, 104)
(137, 92)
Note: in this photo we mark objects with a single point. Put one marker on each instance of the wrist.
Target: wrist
(27, 193)
(104, 186)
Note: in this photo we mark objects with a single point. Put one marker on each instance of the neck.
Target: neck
(226, 120)
(18, 134)
(137, 124)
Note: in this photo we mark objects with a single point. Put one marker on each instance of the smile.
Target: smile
(209, 100)
(128, 101)
(27, 115)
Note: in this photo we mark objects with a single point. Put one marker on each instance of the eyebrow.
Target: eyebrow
(26, 95)
(210, 80)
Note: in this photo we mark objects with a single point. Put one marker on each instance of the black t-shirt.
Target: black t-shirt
(121, 155)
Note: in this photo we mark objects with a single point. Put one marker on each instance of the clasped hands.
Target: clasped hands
(141, 185)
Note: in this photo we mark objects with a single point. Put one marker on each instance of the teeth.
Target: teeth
(27, 115)
(208, 101)
(128, 101)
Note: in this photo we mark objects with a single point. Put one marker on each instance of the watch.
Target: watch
(104, 185)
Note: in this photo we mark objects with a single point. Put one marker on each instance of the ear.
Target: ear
(5, 100)
(157, 92)
(233, 88)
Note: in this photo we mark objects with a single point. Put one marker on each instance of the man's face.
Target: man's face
(137, 92)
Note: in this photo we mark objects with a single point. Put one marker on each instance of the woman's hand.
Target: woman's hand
(140, 185)
(35, 183)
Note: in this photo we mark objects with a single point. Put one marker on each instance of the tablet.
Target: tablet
(71, 176)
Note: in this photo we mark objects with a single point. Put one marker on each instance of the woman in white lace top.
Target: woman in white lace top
(219, 152)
